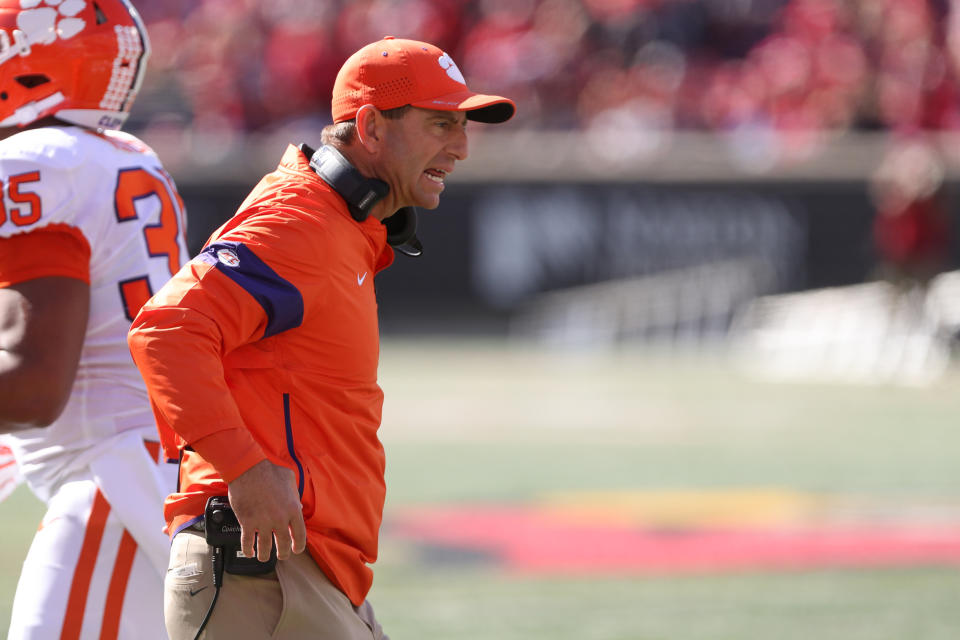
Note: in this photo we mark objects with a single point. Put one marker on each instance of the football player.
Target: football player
(90, 225)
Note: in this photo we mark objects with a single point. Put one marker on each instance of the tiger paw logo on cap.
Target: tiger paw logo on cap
(44, 24)
(451, 68)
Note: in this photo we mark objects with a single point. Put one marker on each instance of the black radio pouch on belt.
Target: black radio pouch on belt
(222, 532)
(362, 194)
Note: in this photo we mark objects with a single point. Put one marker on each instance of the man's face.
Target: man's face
(421, 150)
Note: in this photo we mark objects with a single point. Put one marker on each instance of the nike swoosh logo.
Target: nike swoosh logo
(360, 278)
(193, 593)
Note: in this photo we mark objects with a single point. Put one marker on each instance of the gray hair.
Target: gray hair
(342, 133)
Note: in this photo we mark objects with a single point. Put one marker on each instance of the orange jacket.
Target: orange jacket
(266, 346)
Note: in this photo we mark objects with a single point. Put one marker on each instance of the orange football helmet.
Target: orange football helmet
(82, 60)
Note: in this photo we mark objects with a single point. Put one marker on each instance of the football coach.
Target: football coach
(260, 358)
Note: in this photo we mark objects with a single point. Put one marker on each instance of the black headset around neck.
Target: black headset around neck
(362, 194)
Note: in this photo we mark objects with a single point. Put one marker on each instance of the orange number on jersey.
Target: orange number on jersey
(33, 209)
(133, 185)
(136, 184)
(135, 294)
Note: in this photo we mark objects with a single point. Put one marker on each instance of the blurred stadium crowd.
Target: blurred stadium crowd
(776, 78)
(791, 67)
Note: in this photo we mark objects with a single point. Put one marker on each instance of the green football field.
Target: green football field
(481, 426)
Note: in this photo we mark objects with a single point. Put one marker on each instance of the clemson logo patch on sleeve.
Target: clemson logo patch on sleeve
(228, 257)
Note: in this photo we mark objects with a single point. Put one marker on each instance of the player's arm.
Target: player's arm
(42, 326)
(44, 304)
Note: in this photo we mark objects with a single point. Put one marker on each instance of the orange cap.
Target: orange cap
(393, 72)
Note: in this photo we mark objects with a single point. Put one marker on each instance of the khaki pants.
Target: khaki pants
(296, 601)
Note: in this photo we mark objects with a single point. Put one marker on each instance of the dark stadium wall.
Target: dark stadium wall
(489, 248)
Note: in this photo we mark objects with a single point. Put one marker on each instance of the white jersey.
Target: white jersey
(112, 189)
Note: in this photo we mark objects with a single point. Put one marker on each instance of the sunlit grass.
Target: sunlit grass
(483, 422)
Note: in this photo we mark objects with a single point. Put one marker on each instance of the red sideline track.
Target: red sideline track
(525, 540)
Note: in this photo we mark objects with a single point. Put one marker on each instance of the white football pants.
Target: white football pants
(85, 576)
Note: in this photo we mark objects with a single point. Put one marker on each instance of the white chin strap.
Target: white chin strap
(32, 110)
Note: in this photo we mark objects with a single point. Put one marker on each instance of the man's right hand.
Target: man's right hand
(267, 504)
